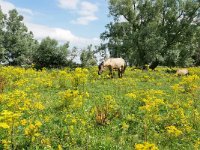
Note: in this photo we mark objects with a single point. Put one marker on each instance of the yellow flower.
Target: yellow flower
(83, 122)
(130, 117)
(46, 141)
(74, 120)
(37, 134)
(196, 145)
(71, 129)
(188, 128)
(145, 146)
(4, 125)
(39, 106)
(38, 123)
(87, 94)
(125, 126)
(46, 118)
(6, 144)
(23, 122)
(131, 95)
(7, 113)
(60, 147)
(172, 130)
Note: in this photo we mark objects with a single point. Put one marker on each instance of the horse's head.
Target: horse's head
(101, 68)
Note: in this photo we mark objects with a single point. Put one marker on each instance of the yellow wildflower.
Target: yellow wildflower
(23, 122)
(131, 95)
(46, 118)
(196, 145)
(46, 141)
(4, 125)
(145, 146)
(130, 117)
(60, 147)
(172, 130)
(6, 143)
(39, 106)
(38, 123)
(125, 126)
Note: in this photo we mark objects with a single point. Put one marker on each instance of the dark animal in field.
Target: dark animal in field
(154, 64)
(181, 72)
(145, 68)
(170, 71)
(118, 64)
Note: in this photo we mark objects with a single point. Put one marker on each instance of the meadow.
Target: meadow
(78, 109)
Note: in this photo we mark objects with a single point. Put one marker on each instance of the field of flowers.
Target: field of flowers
(77, 109)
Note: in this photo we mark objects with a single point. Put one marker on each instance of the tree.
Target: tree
(87, 57)
(18, 41)
(2, 25)
(196, 46)
(49, 54)
(144, 31)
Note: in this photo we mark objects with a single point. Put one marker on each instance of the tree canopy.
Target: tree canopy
(50, 54)
(87, 57)
(163, 32)
(18, 41)
(19, 48)
(143, 31)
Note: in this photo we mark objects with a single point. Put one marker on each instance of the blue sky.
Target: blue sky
(78, 21)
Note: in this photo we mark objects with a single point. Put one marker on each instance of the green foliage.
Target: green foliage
(87, 57)
(2, 25)
(143, 31)
(196, 46)
(66, 109)
(18, 42)
(18, 46)
(50, 54)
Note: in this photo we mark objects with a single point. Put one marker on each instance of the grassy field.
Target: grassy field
(77, 109)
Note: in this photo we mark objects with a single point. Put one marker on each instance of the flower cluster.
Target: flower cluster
(146, 146)
(173, 131)
(77, 109)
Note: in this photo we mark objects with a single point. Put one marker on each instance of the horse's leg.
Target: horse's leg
(111, 72)
(120, 72)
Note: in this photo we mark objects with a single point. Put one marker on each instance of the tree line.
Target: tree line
(154, 31)
(164, 32)
(18, 47)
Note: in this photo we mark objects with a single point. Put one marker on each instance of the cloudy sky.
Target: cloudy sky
(78, 21)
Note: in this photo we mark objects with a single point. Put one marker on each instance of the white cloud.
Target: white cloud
(88, 8)
(25, 11)
(68, 4)
(84, 20)
(85, 10)
(87, 13)
(6, 6)
(42, 31)
(62, 35)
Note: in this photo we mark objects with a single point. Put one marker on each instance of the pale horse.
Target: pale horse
(118, 64)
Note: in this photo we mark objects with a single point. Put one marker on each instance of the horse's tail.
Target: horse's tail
(125, 65)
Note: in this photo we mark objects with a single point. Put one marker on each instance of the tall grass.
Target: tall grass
(77, 109)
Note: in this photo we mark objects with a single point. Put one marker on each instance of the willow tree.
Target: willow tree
(143, 31)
